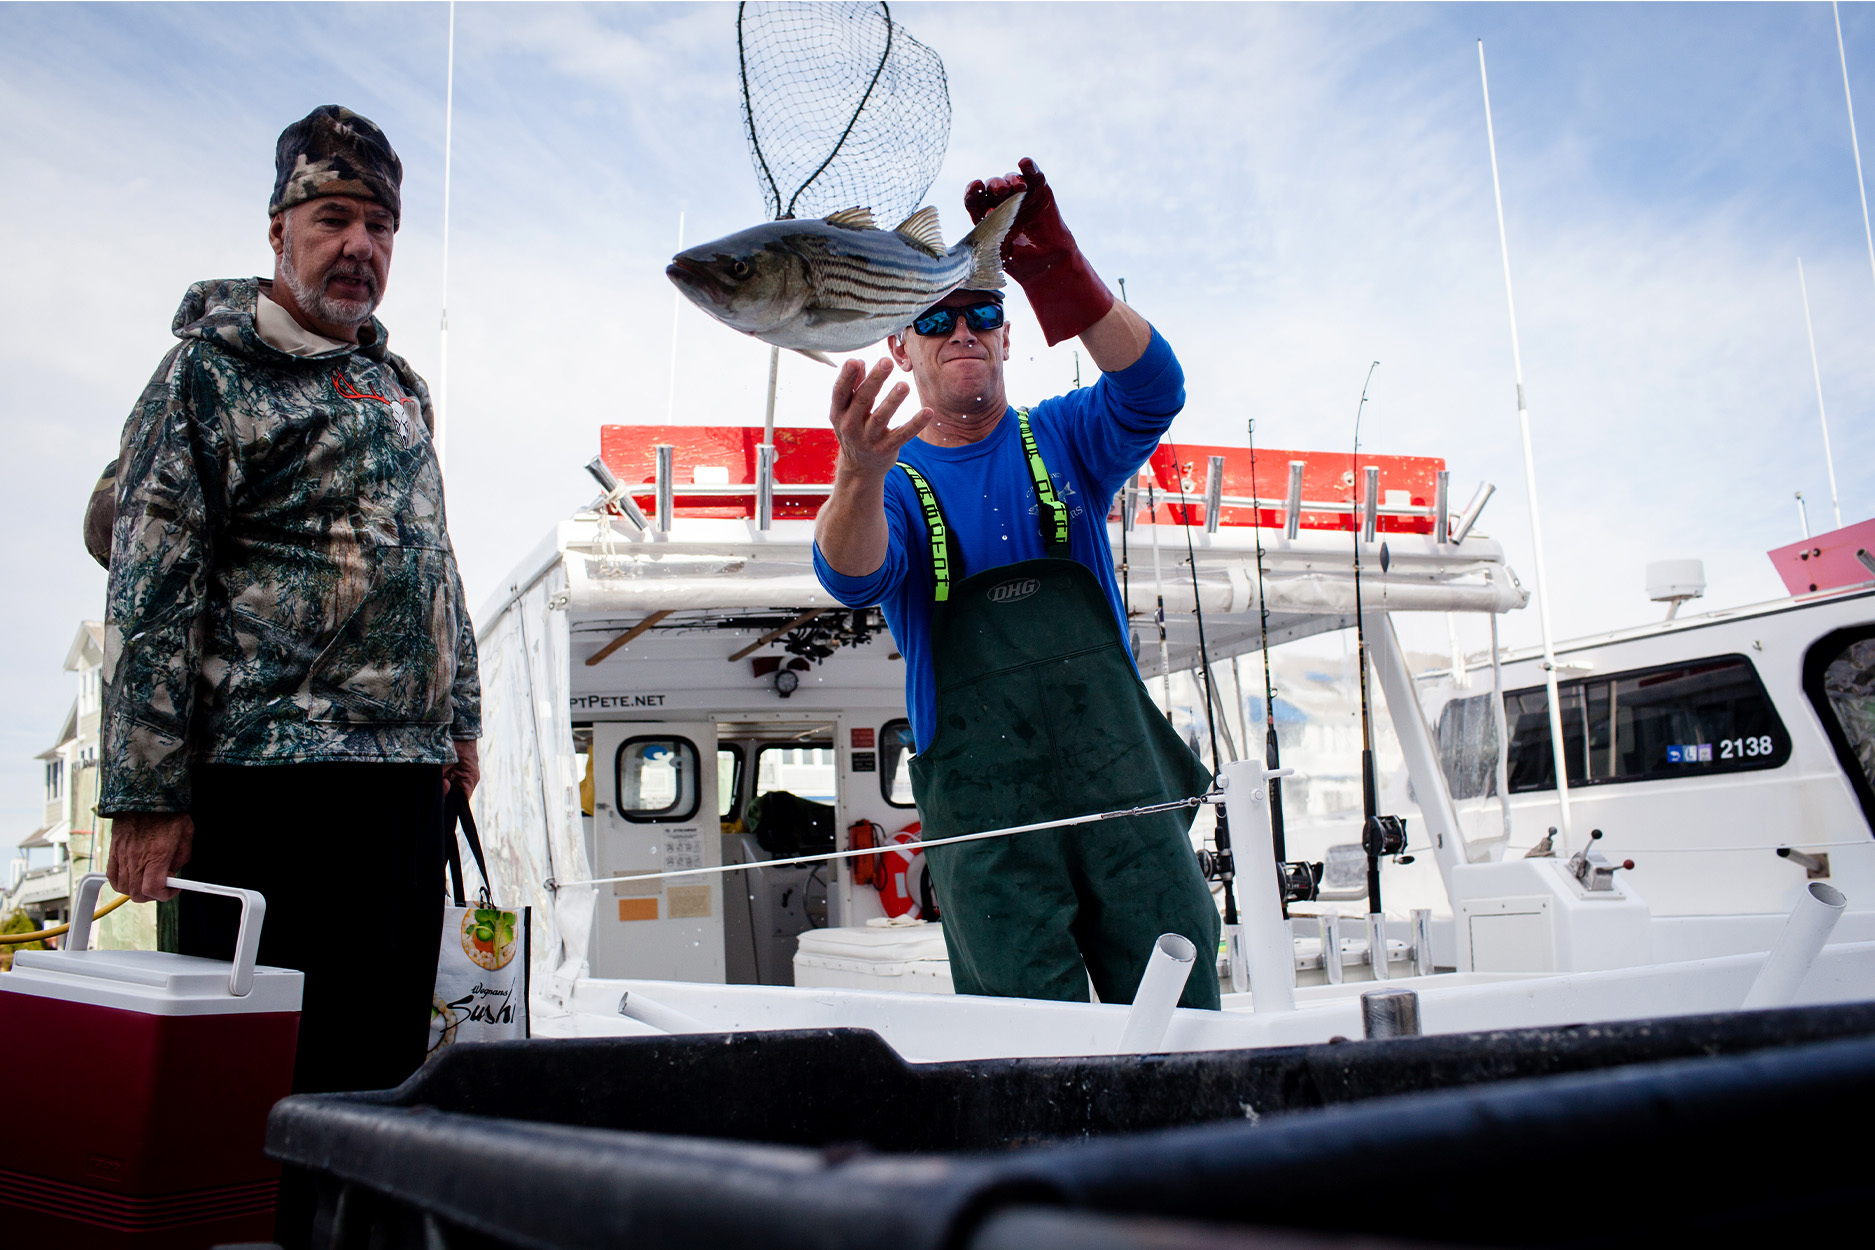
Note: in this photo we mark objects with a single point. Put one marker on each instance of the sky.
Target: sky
(1290, 192)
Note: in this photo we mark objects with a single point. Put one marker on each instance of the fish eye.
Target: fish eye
(739, 269)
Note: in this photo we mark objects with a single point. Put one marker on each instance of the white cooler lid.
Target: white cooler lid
(893, 944)
(153, 982)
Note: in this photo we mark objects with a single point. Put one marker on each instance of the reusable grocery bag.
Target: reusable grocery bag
(482, 968)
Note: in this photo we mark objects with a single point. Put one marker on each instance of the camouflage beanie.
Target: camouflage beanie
(334, 151)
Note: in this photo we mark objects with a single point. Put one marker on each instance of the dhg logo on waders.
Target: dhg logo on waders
(1009, 592)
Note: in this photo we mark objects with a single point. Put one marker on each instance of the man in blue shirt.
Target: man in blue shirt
(982, 532)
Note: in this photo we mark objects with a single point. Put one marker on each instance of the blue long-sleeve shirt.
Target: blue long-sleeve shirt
(1092, 440)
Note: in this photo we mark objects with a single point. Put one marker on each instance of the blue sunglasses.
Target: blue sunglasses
(984, 316)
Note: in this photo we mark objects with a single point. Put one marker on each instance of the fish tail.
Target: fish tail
(986, 241)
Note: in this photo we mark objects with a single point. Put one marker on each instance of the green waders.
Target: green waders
(1041, 716)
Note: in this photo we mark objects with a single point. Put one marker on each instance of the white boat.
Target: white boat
(677, 622)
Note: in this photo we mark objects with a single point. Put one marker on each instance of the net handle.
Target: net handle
(748, 113)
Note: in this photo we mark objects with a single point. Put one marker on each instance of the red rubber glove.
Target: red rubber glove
(1066, 293)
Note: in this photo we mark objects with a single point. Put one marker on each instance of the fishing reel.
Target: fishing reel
(1302, 881)
(1385, 835)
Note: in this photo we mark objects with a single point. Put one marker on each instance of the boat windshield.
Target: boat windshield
(1839, 677)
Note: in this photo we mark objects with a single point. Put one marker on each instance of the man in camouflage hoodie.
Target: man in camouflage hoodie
(291, 675)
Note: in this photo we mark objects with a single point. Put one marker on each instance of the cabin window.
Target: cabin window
(809, 772)
(1680, 720)
(1467, 735)
(1839, 677)
(895, 751)
(728, 781)
(656, 779)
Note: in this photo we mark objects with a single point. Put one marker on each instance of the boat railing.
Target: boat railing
(1164, 492)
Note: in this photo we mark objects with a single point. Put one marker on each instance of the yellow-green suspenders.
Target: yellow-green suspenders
(1053, 513)
(940, 533)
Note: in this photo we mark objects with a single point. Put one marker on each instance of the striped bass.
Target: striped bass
(838, 283)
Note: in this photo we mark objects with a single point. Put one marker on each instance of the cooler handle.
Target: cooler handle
(247, 937)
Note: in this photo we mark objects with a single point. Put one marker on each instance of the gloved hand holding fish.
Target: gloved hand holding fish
(1039, 252)
(839, 283)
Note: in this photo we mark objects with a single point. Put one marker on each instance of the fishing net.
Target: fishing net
(841, 107)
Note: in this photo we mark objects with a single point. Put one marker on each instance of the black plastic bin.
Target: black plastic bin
(1713, 1129)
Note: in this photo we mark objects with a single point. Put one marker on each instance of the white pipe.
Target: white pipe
(1529, 481)
(635, 1006)
(1829, 459)
(1808, 928)
(774, 376)
(1416, 744)
(1164, 980)
(1271, 951)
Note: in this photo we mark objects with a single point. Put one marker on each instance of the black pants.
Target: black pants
(350, 859)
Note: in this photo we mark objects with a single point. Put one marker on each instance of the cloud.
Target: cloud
(1290, 192)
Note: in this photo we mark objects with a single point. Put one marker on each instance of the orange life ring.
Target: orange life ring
(900, 880)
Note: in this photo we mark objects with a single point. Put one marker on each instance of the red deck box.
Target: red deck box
(137, 1088)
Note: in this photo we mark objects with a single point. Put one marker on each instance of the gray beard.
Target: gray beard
(349, 313)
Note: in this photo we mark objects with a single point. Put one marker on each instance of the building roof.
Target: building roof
(87, 649)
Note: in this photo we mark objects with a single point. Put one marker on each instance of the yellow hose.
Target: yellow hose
(14, 939)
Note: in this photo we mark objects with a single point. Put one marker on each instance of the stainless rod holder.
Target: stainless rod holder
(602, 474)
(615, 493)
(1377, 944)
(1213, 494)
(1479, 498)
(1129, 505)
(1292, 505)
(667, 459)
(1442, 507)
(764, 486)
(633, 513)
(1331, 946)
(1422, 941)
(1390, 1013)
(1370, 503)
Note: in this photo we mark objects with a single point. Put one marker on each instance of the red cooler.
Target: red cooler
(137, 1088)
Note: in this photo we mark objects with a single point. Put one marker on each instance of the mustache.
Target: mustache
(356, 271)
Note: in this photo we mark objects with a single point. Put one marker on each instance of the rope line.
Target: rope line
(39, 935)
(724, 869)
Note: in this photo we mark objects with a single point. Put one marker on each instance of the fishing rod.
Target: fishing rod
(1380, 835)
(1272, 757)
(1225, 862)
(1126, 581)
(1212, 702)
(1158, 579)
